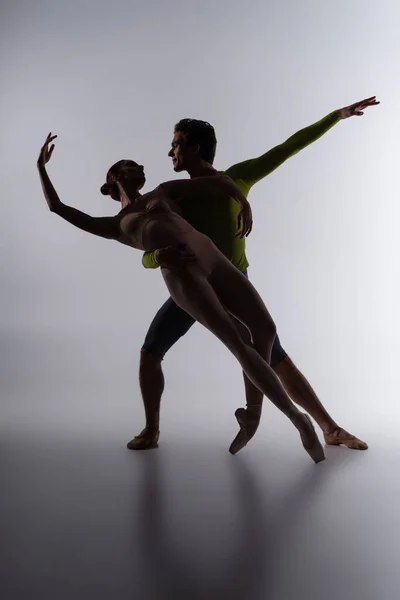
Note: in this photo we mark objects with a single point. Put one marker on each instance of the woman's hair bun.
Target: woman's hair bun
(105, 189)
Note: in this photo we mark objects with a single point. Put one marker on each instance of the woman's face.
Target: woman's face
(130, 177)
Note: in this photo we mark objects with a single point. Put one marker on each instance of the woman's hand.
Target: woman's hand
(46, 152)
(245, 220)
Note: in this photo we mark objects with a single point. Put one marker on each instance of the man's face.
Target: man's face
(182, 153)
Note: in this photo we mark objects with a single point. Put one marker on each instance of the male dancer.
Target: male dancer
(193, 150)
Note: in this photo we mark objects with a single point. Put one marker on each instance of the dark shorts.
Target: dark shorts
(171, 323)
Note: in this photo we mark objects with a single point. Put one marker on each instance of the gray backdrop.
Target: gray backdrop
(111, 79)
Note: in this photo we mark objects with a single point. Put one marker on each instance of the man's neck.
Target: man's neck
(202, 169)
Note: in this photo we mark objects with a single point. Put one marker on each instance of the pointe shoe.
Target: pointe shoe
(148, 438)
(351, 441)
(316, 451)
(248, 426)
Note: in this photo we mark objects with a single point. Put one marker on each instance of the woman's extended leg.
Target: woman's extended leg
(243, 301)
(193, 292)
(248, 419)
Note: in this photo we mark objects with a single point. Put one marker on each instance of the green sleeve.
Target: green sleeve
(252, 171)
(149, 260)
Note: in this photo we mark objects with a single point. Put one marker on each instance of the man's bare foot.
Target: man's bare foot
(148, 438)
(341, 437)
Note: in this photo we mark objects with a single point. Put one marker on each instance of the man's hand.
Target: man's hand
(357, 109)
(245, 220)
(175, 257)
(46, 152)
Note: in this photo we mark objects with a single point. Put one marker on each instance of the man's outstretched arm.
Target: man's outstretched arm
(252, 171)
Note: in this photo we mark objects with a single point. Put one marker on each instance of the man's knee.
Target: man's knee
(149, 360)
(167, 327)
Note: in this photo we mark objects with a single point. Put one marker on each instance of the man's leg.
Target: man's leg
(169, 324)
(302, 394)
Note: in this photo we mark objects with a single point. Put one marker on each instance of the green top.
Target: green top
(219, 222)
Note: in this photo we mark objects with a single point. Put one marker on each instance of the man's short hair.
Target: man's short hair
(201, 133)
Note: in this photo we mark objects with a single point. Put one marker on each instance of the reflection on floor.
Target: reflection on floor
(90, 519)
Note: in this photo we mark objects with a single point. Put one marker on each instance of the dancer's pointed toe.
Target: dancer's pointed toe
(249, 420)
(311, 443)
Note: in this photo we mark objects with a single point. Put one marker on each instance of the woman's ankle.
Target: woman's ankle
(254, 410)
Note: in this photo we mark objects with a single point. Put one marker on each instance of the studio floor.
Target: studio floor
(83, 517)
